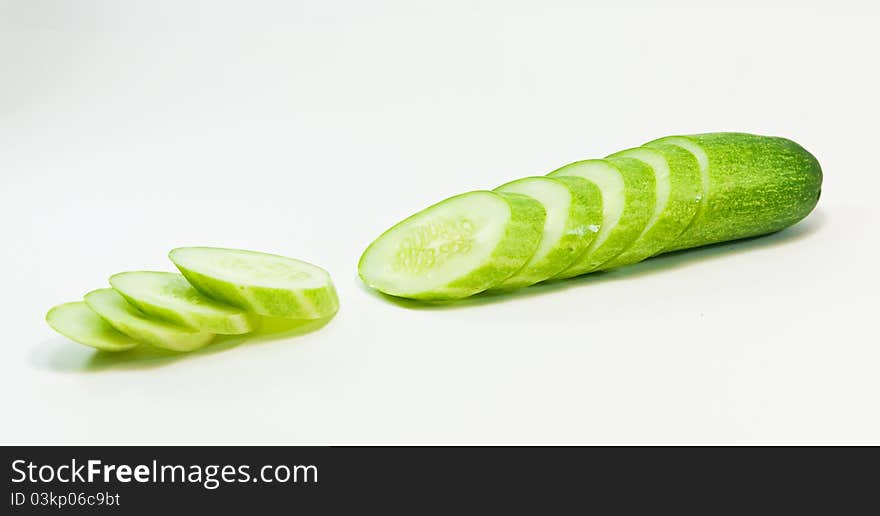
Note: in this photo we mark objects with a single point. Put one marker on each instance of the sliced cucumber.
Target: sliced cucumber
(168, 296)
(455, 248)
(753, 185)
(79, 323)
(679, 189)
(574, 214)
(265, 284)
(114, 309)
(627, 187)
(702, 162)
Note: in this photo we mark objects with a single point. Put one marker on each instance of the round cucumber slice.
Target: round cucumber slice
(455, 248)
(168, 296)
(679, 189)
(266, 284)
(627, 187)
(574, 214)
(79, 323)
(114, 309)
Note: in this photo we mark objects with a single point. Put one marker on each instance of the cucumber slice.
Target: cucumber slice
(679, 189)
(455, 248)
(702, 162)
(574, 214)
(754, 185)
(627, 187)
(79, 323)
(114, 309)
(168, 296)
(266, 284)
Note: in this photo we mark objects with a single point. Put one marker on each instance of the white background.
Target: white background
(307, 128)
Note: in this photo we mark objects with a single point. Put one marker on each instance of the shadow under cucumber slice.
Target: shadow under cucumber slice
(79, 323)
(574, 214)
(679, 189)
(456, 248)
(262, 283)
(114, 309)
(627, 187)
(168, 296)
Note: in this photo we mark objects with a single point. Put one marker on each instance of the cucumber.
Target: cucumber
(114, 309)
(574, 214)
(265, 284)
(679, 190)
(628, 197)
(79, 323)
(754, 185)
(168, 296)
(672, 193)
(456, 248)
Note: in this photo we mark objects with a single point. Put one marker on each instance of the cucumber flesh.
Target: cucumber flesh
(79, 323)
(168, 296)
(574, 214)
(628, 197)
(265, 284)
(679, 189)
(456, 248)
(755, 185)
(114, 309)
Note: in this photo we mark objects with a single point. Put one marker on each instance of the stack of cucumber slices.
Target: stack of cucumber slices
(218, 292)
(672, 193)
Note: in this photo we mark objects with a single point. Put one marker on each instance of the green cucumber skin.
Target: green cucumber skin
(584, 218)
(681, 208)
(314, 303)
(757, 185)
(639, 198)
(521, 238)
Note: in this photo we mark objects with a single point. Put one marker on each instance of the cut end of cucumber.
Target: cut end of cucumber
(437, 246)
(168, 296)
(79, 323)
(266, 284)
(455, 248)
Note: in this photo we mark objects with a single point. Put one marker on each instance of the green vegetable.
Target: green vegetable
(114, 309)
(79, 323)
(574, 214)
(168, 296)
(672, 193)
(754, 185)
(265, 284)
(455, 248)
(627, 187)
(679, 189)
